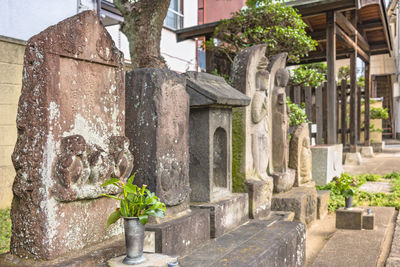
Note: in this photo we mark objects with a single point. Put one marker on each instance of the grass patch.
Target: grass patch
(362, 198)
(5, 230)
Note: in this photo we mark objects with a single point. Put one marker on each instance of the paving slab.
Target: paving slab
(394, 256)
(358, 247)
(377, 187)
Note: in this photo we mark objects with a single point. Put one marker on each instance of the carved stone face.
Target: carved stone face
(281, 77)
(262, 80)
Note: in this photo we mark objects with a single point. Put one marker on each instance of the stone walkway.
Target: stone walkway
(386, 162)
(377, 187)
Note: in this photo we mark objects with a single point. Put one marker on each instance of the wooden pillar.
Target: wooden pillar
(308, 101)
(331, 79)
(343, 114)
(325, 113)
(297, 95)
(353, 95)
(358, 112)
(319, 114)
(367, 93)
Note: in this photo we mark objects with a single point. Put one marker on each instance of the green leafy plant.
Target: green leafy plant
(134, 201)
(344, 185)
(297, 114)
(268, 22)
(379, 113)
(308, 75)
(5, 230)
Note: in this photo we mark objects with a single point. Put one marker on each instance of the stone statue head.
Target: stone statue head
(306, 143)
(262, 75)
(281, 77)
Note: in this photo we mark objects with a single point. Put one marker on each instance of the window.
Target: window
(174, 18)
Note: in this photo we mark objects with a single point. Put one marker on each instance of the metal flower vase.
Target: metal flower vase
(134, 240)
(348, 202)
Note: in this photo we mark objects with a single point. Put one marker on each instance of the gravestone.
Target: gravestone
(211, 102)
(157, 114)
(300, 157)
(252, 74)
(71, 127)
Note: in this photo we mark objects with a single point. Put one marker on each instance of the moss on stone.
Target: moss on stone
(238, 146)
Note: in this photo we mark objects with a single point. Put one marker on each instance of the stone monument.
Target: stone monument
(211, 102)
(252, 129)
(71, 127)
(157, 114)
(300, 157)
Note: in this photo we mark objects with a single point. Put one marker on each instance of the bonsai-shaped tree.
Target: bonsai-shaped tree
(268, 22)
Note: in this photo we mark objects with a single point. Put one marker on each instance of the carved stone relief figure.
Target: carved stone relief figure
(259, 115)
(300, 154)
(305, 161)
(280, 122)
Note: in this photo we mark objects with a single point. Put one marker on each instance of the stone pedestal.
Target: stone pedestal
(226, 214)
(349, 218)
(301, 200)
(353, 158)
(378, 147)
(260, 194)
(368, 221)
(322, 206)
(326, 163)
(152, 260)
(367, 151)
(180, 235)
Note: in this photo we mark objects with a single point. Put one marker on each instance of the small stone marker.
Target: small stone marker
(326, 163)
(322, 205)
(71, 126)
(368, 221)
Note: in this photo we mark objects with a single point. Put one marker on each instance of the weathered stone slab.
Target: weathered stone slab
(300, 156)
(378, 147)
(353, 158)
(226, 214)
(152, 260)
(367, 151)
(258, 243)
(71, 125)
(349, 218)
(157, 114)
(323, 197)
(326, 163)
(301, 200)
(284, 181)
(260, 195)
(179, 236)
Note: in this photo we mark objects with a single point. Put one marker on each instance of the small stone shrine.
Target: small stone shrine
(71, 127)
(157, 114)
(300, 157)
(211, 102)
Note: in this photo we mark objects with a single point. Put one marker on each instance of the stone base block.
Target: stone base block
(226, 214)
(367, 152)
(260, 195)
(181, 235)
(94, 255)
(152, 260)
(368, 221)
(258, 243)
(326, 163)
(322, 203)
(301, 200)
(353, 158)
(283, 181)
(349, 218)
(378, 147)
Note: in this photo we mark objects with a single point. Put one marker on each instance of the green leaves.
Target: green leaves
(308, 75)
(136, 202)
(268, 22)
(113, 217)
(297, 114)
(379, 113)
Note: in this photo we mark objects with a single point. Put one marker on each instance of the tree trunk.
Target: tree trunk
(143, 21)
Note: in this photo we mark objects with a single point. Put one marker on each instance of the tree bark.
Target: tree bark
(143, 21)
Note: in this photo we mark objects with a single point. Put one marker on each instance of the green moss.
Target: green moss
(238, 146)
(5, 230)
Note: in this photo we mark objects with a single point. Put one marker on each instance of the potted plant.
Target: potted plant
(343, 184)
(136, 205)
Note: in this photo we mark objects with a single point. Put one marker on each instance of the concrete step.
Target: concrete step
(270, 242)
